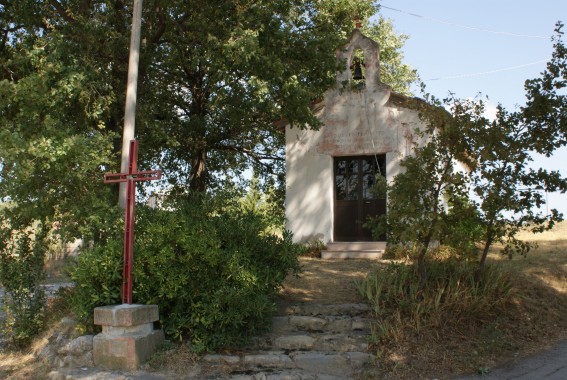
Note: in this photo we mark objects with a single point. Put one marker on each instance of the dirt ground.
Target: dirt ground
(327, 281)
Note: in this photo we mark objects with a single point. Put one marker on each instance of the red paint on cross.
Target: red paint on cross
(130, 178)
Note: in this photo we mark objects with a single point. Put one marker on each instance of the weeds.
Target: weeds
(312, 248)
(450, 297)
(21, 262)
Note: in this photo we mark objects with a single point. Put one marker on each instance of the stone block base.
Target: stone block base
(128, 338)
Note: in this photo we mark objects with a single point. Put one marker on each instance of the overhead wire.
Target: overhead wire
(477, 29)
(441, 21)
(489, 72)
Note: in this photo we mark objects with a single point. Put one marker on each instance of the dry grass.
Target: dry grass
(173, 359)
(547, 262)
(24, 365)
(21, 366)
(18, 365)
(534, 321)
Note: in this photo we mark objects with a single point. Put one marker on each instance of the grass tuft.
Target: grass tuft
(451, 296)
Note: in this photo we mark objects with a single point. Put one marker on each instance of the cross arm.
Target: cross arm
(146, 175)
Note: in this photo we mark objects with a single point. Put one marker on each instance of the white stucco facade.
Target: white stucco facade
(364, 122)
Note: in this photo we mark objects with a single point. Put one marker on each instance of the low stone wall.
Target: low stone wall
(61, 349)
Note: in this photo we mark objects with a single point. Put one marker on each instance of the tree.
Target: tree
(421, 198)
(54, 135)
(219, 97)
(213, 79)
(507, 192)
(393, 71)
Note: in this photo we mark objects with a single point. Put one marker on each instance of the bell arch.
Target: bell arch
(370, 58)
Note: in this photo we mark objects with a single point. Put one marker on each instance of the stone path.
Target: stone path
(307, 342)
(311, 340)
(315, 336)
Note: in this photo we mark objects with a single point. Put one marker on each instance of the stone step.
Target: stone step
(357, 246)
(284, 375)
(330, 342)
(324, 310)
(293, 365)
(287, 324)
(354, 250)
(372, 255)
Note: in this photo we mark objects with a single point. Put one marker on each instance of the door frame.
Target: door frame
(349, 211)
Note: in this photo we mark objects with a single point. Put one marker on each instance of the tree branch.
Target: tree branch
(258, 157)
(62, 11)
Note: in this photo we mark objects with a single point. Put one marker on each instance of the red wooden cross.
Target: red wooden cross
(130, 178)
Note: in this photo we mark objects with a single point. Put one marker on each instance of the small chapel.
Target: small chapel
(366, 129)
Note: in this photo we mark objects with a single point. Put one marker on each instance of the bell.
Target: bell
(357, 73)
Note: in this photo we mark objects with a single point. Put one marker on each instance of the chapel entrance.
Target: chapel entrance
(354, 200)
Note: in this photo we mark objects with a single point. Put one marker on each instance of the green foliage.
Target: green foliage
(21, 262)
(312, 248)
(404, 309)
(54, 136)
(400, 252)
(418, 213)
(463, 227)
(265, 203)
(214, 76)
(212, 269)
(393, 71)
(97, 276)
(498, 193)
(509, 194)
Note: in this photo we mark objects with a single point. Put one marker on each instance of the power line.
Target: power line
(440, 21)
(489, 72)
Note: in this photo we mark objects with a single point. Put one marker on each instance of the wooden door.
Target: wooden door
(354, 200)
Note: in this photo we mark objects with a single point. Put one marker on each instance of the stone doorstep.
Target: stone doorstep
(283, 375)
(357, 246)
(354, 250)
(369, 254)
(286, 375)
(98, 374)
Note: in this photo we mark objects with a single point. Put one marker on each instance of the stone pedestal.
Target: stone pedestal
(128, 337)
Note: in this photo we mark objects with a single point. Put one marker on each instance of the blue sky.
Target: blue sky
(481, 46)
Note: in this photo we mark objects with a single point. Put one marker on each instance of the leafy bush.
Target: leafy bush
(451, 295)
(21, 270)
(400, 252)
(463, 227)
(311, 248)
(211, 268)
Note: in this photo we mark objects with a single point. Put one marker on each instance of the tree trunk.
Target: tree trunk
(421, 266)
(198, 178)
(480, 268)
